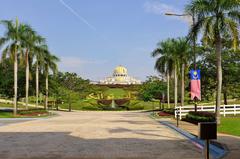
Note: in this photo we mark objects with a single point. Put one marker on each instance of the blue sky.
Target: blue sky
(93, 36)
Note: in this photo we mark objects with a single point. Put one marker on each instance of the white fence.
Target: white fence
(224, 109)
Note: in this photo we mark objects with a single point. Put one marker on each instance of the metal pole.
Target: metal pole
(207, 149)
(177, 111)
(194, 52)
(194, 40)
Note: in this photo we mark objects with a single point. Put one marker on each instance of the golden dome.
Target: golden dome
(120, 70)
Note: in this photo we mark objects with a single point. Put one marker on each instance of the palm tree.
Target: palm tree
(183, 51)
(31, 45)
(13, 41)
(165, 62)
(216, 18)
(50, 63)
(39, 53)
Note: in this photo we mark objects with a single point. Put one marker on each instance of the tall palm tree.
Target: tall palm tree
(50, 63)
(33, 40)
(183, 51)
(165, 62)
(39, 53)
(216, 18)
(13, 41)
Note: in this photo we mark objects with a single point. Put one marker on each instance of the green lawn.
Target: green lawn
(6, 115)
(6, 105)
(230, 125)
(116, 92)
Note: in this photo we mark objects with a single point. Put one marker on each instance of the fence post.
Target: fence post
(201, 107)
(224, 110)
(180, 112)
(234, 109)
(175, 110)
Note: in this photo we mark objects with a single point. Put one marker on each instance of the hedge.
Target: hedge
(195, 117)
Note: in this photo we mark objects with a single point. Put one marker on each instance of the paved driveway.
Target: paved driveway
(94, 135)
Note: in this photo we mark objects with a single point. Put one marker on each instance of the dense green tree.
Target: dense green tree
(153, 88)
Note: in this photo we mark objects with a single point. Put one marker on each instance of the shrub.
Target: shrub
(33, 112)
(90, 108)
(195, 117)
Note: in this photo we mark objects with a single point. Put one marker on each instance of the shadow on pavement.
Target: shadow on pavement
(64, 145)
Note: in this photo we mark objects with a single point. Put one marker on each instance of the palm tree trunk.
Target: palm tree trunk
(219, 77)
(46, 97)
(37, 83)
(175, 87)
(27, 79)
(168, 90)
(15, 82)
(183, 86)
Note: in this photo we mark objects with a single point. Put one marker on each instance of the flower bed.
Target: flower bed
(169, 111)
(33, 112)
(164, 114)
(104, 102)
(121, 102)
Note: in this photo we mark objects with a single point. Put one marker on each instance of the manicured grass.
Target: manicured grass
(230, 125)
(116, 92)
(6, 105)
(6, 115)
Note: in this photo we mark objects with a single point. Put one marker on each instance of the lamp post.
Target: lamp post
(194, 37)
(194, 41)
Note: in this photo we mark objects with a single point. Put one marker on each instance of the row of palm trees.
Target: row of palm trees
(214, 20)
(22, 43)
(173, 58)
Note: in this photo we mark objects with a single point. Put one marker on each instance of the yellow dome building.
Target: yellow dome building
(120, 76)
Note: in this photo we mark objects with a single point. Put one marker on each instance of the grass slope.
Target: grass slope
(116, 92)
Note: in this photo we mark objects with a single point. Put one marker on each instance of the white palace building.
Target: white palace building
(120, 77)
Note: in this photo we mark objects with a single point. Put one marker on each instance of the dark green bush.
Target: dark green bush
(91, 108)
(196, 117)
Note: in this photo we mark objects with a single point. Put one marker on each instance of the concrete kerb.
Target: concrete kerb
(215, 151)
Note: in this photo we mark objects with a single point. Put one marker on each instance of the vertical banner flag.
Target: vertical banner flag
(195, 84)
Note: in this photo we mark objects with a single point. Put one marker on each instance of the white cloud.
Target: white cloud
(158, 8)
